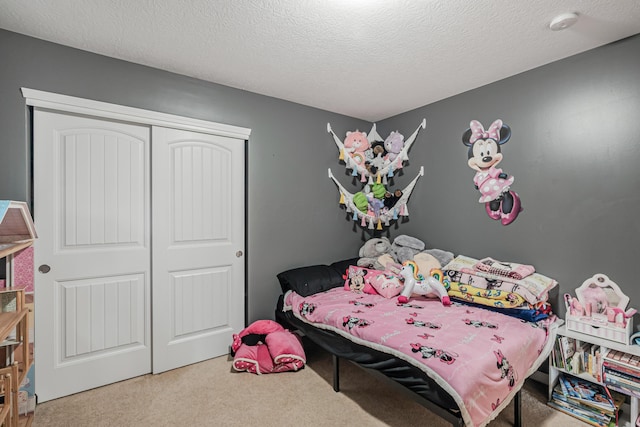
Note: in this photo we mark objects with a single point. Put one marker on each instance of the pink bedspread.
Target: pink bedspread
(480, 357)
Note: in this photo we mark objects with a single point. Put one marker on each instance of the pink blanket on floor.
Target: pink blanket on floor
(478, 356)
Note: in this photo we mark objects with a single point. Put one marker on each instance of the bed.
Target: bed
(463, 362)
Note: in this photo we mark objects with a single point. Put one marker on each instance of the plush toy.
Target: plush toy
(387, 262)
(426, 262)
(377, 148)
(375, 247)
(371, 250)
(356, 144)
(361, 202)
(375, 164)
(378, 191)
(484, 154)
(416, 283)
(393, 144)
(404, 248)
(390, 198)
(375, 204)
(375, 157)
(443, 257)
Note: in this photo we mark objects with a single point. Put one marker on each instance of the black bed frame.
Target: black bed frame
(436, 409)
(454, 418)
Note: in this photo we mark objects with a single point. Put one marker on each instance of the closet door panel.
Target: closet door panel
(198, 245)
(200, 300)
(91, 210)
(102, 188)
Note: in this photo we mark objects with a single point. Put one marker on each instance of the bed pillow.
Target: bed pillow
(342, 265)
(307, 281)
(385, 283)
(357, 279)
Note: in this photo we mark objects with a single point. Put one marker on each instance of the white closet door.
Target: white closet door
(91, 209)
(198, 245)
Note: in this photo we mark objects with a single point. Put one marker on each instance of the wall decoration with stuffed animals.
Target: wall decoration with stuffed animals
(375, 160)
(484, 154)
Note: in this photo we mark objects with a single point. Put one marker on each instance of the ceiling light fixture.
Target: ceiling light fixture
(563, 21)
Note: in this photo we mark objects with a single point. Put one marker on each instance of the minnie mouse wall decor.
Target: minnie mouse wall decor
(501, 203)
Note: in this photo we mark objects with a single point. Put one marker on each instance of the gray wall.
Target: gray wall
(574, 154)
(293, 216)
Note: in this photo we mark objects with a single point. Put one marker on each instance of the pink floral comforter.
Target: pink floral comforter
(478, 356)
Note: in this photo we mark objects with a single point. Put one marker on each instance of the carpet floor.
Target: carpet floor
(210, 393)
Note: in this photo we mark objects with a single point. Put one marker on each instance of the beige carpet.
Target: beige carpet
(211, 394)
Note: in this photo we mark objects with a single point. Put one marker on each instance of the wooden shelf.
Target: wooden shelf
(17, 232)
(16, 359)
(8, 321)
(25, 420)
(5, 385)
(7, 249)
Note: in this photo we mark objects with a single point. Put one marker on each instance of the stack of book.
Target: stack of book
(590, 402)
(621, 372)
(577, 357)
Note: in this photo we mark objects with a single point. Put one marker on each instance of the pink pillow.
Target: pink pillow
(386, 283)
(356, 280)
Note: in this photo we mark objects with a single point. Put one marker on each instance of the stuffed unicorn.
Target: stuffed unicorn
(415, 283)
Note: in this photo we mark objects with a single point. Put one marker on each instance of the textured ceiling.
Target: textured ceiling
(368, 59)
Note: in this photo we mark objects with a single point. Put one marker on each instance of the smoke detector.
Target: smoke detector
(563, 21)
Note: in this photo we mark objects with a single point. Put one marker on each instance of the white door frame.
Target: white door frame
(55, 101)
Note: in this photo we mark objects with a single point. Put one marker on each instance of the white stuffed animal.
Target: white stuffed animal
(415, 283)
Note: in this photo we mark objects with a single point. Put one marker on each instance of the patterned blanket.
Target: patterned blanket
(535, 283)
(478, 356)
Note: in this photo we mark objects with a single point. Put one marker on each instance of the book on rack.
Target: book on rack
(587, 401)
(586, 359)
(613, 366)
(584, 418)
(587, 414)
(621, 375)
(567, 350)
(626, 359)
(621, 372)
(621, 382)
(588, 393)
(556, 355)
(579, 407)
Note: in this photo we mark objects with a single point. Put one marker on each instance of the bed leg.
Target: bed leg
(517, 409)
(336, 373)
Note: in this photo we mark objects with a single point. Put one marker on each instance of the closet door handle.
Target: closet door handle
(238, 254)
(44, 269)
